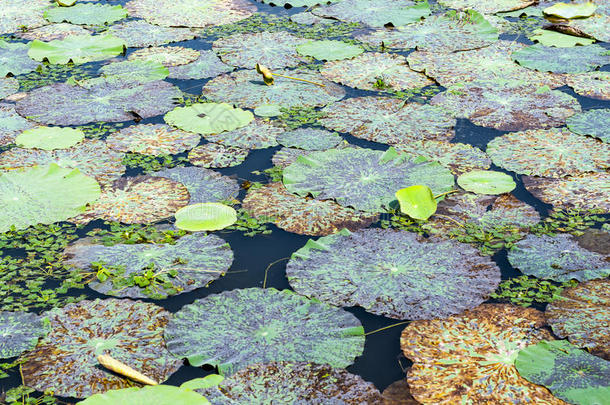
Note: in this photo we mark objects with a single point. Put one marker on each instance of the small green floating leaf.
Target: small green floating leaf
(86, 14)
(417, 202)
(486, 182)
(205, 217)
(49, 138)
(573, 10)
(209, 381)
(78, 49)
(208, 118)
(329, 50)
(158, 395)
(557, 39)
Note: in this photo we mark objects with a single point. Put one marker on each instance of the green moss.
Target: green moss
(46, 74)
(136, 233)
(249, 225)
(149, 164)
(568, 221)
(22, 395)
(274, 173)
(299, 116)
(526, 290)
(100, 130)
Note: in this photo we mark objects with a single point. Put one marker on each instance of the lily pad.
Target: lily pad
(217, 156)
(567, 10)
(53, 31)
(208, 118)
(86, 14)
(389, 120)
(398, 274)
(579, 59)
(258, 134)
(29, 197)
(246, 88)
(398, 393)
(49, 138)
(190, 13)
(157, 394)
(487, 6)
(166, 55)
(8, 86)
(136, 71)
(310, 139)
(593, 84)
(206, 66)
(366, 71)
(587, 191)
(581, 315)
(457, 157)
(595, 26)
(375, 13)
(205, 217)
(287, 156)
(329, 50)
(416, 201)
(140, 34)
(559, 258)
(470, 358)
(294, 383)
(449, 32)
(486, 182)
(362, 178)
(77, 49)
(14, 59)
(557, 39)
(297, 3)
(303, 216)
(20, 331)
(570, 373)
(203, 185)
(592, 122)
(268, 110)
(65, 361)
(197, 260)
(253, 325)
(152, 139)
(17, 13)
(92, 157)
(11, 124)
(107, 101)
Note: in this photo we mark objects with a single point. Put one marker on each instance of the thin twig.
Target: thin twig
(296, 78)
(268, 267)
(385, 327)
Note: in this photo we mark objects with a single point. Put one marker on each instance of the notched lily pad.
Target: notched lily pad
(20, 331)
(593, 84)
(86, 14)
(488, 6)
(457, 157)
(258, 134)
(206, 66)
(329, 50)
(140, 34)
(309, 139)
(17, 13)
(203, 185)
(14, 59)
(152, 139)
(77, 49)
(53, 31)
(208, 118)
(136, 71)
(49, 138)
(592, 122)
(166, 55)
(375, 13)
(586, 191)
(579, 59)
(217, 156)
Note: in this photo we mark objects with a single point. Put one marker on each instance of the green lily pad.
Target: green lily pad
(49, 138)
(581, 315)
(457, 157)
(585, 191)
(20, 331)
(206, 66)
(53, 31)
(140, 34)
(268, 110)
(197, 260)
(297, 3)
(470, 358)
(329, 50)
(592, 122)
(486, 182)
(17, 13)
(307, 18)
(203, 185)
(65, 361)
(559, 258)
(362, 178)
(487, 6)
(294, 383)
(296, 214)
(567, 10)
(258, 134)
(86, 14)
(77, 49)
(449, 32)
(217, 156)
(593, 84)
(389, 120)
(8, 86)
(595, 26)
(557, 39)
(136, 71)
(208, 118)
(398, 274)
(568, 372)
(375, 13)
(253, 325)
(246, 89)
(166, 55)
(11, 124)
(157, 394)
(205, 217)
(549, 153)
(152, 139)
(416, 201)
(366, 71)
(579, 59)
(29, 197)
(310, 139)
(14, 59)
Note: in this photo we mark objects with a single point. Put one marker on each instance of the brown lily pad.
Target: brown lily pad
(457, 157)
(592, 84)
(398, 393)
(152, 139)
(585, 191)
(166, 55)
(215, 155)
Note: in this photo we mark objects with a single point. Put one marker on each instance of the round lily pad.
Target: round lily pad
(192, 262)
(53, 31)
(398, 274)
(329, 50)
(581, 315)
(557, 39)
(49, 138)
(268, 110)
(157, 394)
(559, 258)
(8, 86)
(29, 197)
(294, 383)
(65, 361)
(586, 191)
(203, 185)
(258, 134)
(136, 70)
(217, 156)
(388, 120)
(470, 358)
(578, 59)
(14, 59)
(486, 182)
(11, 124)
(140, 34)
(375, 13)
(77, 49)
(20, 331)
(166, 55)
(371, 70)
(253, 325)
(86, 14)
(246, 88)
(488, 6)
(206, 66)
(152, 139)
(457, 157)
(205, 217)
(592, 122)
(592, 84)
(208, 118)
(567, 11)
(108, 101)
(416, 201)
(17, 13)
(362, 178)
(310, 139)
(303, 216)
(92, 157)
(568, 372)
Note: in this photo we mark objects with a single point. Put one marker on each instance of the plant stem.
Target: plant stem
(386, 327)
(302, 80)
(268, 267)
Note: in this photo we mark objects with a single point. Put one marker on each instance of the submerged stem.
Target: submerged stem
(268, 267)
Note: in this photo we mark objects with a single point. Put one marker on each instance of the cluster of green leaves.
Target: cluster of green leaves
(46, 74)
(296, 117)
(489, 241)
(274, 173)
(189, 99)
(250, 225)
(420, 95)
(149, 164)
(100, 130)
(401, 221)
(22, 396)
(524, 25)
(136, 233)
(568, 221)
(4, 367)
(527, 290)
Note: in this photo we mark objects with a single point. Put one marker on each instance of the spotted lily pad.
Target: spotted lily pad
(581, 315)
(559, 258)
(258, 134)
(166, 55)
(11, 124)
(92, 157)
(208, 118)
(587, 191)
(86, 14)
(215, 155)
(152, 139)
(14, 59)
(253, 325)
(592, 122)
(294, 383)
(375, 13)
(49, 138)
(457, 157)
(568, 372)
(593, 84)
(205, 217)
(579, 59)
(108, 101)
(303, 216)
(397, 274)
(197, 260)
(203, 185)
(362, 178)
(20, 331)
(30, 197)
(8, 86)
(136, 70)
(595, 26)
(246, 88)
(207, 65)
(329, 50)
(567, 11)
(310, 139)
(77, 49)
(17, 13)
(470, 358)
(389, 120)
(65, 361)
(53, 31)
(140, 34)
(157, 394)
(488, 6)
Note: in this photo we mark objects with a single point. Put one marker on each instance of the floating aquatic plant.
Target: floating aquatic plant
(205, 217)
(20, 331)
